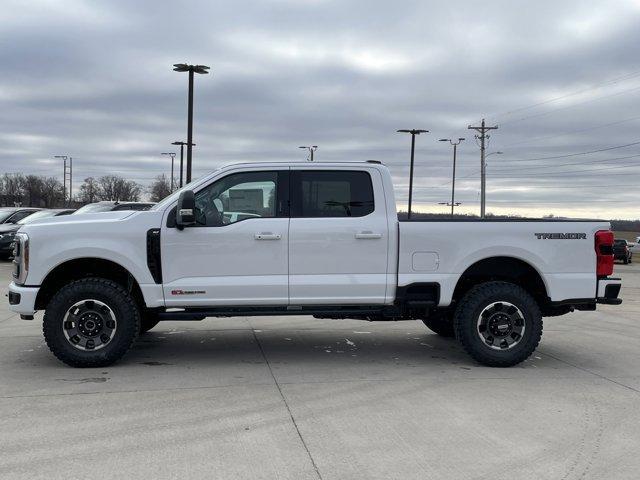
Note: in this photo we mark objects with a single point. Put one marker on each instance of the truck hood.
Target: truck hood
(82, 218)
(9, 227)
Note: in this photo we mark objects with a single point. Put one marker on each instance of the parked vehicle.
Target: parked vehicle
(15, 214)
(621, 251)
(327, 242)
(110, 206)
(633, 247)
(8, 230)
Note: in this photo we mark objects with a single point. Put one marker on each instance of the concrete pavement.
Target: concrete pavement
(298, 398)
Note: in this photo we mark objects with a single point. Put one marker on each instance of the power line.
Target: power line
(546, 137)
(548, 112)
(567, 95)
(562, 174)
(568, 164)
(615, 147)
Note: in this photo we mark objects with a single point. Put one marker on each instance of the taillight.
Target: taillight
(604, 253)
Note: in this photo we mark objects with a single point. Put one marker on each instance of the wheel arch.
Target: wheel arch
(77, 268)
(503, 268)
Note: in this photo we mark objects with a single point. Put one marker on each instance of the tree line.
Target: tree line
(42, 191)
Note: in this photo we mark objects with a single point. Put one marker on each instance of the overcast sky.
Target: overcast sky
(94, 80)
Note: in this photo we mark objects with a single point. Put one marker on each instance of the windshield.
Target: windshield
(37, 215)
(94, 207)
(4, 214)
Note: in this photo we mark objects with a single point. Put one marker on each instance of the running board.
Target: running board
(200, 313)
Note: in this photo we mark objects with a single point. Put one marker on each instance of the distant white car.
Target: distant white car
(634, 247)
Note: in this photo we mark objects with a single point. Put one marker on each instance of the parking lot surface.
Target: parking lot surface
(301, 398)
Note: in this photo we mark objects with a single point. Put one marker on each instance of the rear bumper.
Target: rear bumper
(608, 291)
(22, 300)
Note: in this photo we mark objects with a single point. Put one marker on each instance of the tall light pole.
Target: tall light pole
(201, 69)
(182, 144)
(311, 149)
(173, 156)
(453, 176)
(413, 133)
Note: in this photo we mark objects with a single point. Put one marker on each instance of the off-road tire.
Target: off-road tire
(111, 294)
(440, 323)
(472, 305)
(148, 320)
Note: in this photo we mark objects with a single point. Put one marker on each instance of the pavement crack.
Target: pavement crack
(591, 372)
(286, 404)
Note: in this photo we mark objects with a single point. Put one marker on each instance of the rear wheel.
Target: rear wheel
(440, 323)
(498, 323)
(91, 323)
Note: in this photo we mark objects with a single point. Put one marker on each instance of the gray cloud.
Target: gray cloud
(94, 80)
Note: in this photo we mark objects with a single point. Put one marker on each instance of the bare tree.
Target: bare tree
(33, 190)
(89, 190)
(114, 187)
(52, 192)
(12, 185)
(159, 188)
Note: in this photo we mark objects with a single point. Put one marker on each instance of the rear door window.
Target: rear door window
(331, 193)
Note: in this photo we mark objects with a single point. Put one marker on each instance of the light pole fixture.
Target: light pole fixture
(173, 156)
(413, 133)
(311, 148)
(453, 176)
(203, 70)
(182, 144)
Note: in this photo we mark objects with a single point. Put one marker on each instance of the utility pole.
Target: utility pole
(482, 130)
(413, 133)
(453, 176)
(311, 149)
(64, 176)
(70, 179)
(182, 144)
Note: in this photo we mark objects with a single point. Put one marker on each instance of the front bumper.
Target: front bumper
(22, 300)
(608, 291)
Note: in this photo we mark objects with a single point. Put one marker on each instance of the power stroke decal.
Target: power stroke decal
(187, 292)
(561, 236)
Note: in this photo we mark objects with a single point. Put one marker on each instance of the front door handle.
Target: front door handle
(267, 236)
(368, 235)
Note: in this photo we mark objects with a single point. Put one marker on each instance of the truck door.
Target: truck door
(237, 252)
(338, 237)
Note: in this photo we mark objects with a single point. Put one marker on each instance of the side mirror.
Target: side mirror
(186, 209)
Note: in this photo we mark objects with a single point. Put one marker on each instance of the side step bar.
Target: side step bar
(333, 310)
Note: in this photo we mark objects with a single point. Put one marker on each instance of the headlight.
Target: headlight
(21, 258)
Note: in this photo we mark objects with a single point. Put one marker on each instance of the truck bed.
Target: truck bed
(440, 251)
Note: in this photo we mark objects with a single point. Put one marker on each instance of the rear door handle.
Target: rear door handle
(267, 236)
(368, 235)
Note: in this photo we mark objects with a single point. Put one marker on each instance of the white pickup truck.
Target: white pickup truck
(320, 239)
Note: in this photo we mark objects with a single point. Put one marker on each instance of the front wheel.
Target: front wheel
(91, 322)
(498, 323)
